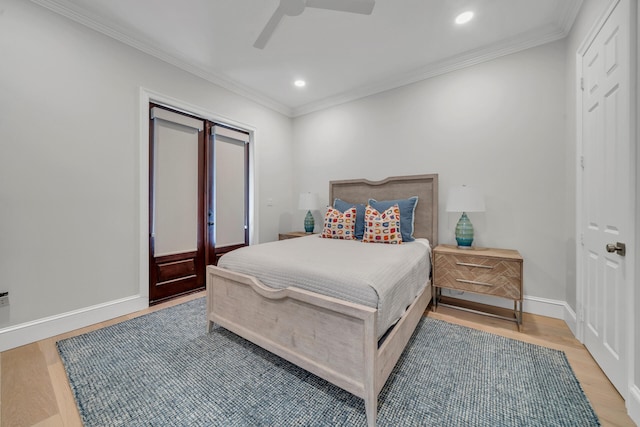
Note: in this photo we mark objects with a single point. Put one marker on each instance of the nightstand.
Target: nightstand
(293, 235)
(484, 271)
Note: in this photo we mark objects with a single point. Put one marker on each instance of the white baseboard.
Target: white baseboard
(534, 305)
(633, 404)
(26, 333)
(571, 319)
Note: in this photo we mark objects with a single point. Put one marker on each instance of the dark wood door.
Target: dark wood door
(176, 204)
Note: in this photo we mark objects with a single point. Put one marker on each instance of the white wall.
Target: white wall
(70, 163)
(499, 126)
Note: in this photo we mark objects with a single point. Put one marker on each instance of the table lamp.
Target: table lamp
(308, 202)
(464, 199)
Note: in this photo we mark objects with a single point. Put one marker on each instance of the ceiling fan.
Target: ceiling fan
(296, 7)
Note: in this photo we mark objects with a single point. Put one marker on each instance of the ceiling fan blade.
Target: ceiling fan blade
(364, 7)
(268, 30)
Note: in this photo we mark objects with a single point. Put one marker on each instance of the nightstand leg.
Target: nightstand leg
(520, 313)
(517, 311)
(434, 297)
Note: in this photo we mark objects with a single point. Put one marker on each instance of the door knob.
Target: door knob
(619, 248)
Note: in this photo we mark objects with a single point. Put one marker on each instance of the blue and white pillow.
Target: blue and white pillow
(342, 206)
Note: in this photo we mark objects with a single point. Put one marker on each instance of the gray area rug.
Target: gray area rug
(163, 369)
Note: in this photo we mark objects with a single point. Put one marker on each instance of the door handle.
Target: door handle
(619, 248)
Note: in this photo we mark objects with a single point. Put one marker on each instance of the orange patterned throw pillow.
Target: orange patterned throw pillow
(382, 227)
(339, 225)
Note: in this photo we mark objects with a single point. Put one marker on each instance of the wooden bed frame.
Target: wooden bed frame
(333, 339)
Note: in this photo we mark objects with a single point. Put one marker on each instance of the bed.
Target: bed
(338, 340)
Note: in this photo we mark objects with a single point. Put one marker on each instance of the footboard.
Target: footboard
(333, 339)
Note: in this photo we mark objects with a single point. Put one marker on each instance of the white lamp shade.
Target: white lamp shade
(465, 199)
(308, 201)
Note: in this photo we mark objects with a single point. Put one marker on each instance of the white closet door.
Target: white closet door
(608, 196)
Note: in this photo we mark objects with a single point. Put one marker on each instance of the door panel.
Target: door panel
(229, 192)
(229, 210)
(176, 243)
(176, 185)
(174, 267)
(606, 193)
(592, 314)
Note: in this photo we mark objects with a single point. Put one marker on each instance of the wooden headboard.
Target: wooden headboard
(397, 187)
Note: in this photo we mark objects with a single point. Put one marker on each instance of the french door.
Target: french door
(176, 204)
(198, 198)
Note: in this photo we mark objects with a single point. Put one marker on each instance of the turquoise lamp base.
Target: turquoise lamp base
(464, 232)
(309, 223)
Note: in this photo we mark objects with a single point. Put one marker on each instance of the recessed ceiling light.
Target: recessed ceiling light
(300, 83)
(464, 17)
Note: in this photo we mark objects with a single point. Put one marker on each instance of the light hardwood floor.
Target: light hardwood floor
(34, 389)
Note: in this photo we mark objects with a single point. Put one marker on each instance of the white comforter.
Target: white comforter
(386, 277)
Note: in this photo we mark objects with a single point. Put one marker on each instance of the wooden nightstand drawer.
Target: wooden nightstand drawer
(489, 276)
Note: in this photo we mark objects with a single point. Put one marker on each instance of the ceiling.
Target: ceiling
(342, 56)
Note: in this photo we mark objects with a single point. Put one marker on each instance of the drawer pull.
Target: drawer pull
(474, 282)
(466, 264)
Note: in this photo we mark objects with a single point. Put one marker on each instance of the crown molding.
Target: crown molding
(524, 41)
(566, 13)
(68, 10)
